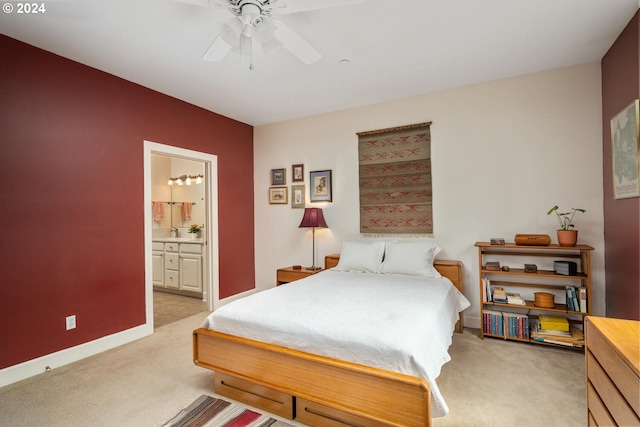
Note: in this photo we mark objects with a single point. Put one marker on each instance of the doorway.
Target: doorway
(209, 219)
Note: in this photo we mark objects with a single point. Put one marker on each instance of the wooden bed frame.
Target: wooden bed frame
(316, 390)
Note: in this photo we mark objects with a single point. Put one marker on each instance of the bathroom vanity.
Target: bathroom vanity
(177, 265)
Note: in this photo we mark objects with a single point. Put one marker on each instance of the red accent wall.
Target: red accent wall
(620, 86)
(71, 191)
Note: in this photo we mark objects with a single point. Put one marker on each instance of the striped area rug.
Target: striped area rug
(208, 411)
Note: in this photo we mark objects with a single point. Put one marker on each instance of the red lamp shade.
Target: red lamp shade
(313, 218)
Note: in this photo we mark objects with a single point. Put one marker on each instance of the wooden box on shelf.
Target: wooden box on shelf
(515, 317)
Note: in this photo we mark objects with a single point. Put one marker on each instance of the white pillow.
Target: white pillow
(361, 256)
(415, 258)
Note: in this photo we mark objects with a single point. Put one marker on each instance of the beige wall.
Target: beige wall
(503, 153)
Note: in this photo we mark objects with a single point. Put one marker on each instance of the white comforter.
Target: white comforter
(394, 322)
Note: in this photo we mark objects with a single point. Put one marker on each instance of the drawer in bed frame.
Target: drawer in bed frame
(315, 414)
(271, 400)
(287, 406)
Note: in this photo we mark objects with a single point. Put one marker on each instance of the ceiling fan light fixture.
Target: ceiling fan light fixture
(264, 29)
(231, 31)
(271, 45)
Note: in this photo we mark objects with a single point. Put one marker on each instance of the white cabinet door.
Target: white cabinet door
(191, 273)
(158, 268)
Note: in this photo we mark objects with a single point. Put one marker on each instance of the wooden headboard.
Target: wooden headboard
(449, 269)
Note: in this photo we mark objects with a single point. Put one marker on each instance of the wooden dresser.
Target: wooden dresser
(613, 371)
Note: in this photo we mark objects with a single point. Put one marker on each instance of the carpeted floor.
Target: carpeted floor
(493, 382)
(168, 308)
(145, 383)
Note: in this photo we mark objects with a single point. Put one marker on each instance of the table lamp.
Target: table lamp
(313, 218)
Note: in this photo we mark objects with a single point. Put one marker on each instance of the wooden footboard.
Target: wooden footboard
(335, 390)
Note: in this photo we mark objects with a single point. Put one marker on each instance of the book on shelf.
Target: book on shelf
(506, 324)
(559, 342)
(572, 338)
(569, 298)
(573, 298)
(575, 294)
(515, 298)
(552, 322)
(493, 323)
(516, 325)
(583, 299)
(500, 295)
(486, 289)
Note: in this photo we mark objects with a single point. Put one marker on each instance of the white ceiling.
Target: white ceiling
(396, 48)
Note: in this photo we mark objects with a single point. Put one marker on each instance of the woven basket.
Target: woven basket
(544, 299)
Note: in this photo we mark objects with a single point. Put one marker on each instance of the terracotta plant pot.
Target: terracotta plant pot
(567, 237)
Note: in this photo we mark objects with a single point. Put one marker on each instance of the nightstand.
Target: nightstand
(289, 274)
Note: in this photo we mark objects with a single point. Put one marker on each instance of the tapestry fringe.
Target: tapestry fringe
(396, 236)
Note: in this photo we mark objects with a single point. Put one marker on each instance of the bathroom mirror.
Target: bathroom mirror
(179, 205)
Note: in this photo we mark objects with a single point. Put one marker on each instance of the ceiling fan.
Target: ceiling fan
(255, 27)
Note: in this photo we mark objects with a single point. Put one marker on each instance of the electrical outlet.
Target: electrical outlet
(71, 322)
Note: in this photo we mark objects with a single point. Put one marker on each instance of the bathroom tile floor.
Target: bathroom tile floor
(168, 308)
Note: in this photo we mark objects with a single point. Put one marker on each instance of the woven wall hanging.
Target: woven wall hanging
(395, 180)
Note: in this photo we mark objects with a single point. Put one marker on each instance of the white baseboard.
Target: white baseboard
(235, 297)
(37, 366)
(472, 322)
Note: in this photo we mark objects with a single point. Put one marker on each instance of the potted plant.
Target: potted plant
(567, 236)
(196, 230)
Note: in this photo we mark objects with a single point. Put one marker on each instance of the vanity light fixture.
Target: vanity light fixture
(185, 179)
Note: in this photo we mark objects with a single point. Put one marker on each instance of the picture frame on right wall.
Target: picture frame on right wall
(625, 152)
(320, 186)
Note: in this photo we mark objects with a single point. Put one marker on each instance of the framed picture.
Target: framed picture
(278, 176)
(278, 195)
(320, 186)
(297, 196)
(625, 151)
(297, 173)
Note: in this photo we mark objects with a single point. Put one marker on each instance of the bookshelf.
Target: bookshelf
(520, 321)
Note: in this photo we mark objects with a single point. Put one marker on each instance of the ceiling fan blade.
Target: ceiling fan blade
(225, 41)
(214, 3)
(295, 6)
(197, 2)
(296, 44)
(217, 51)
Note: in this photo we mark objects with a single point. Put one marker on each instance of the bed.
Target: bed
(318, 383)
